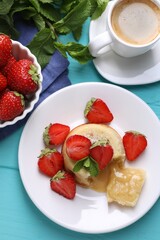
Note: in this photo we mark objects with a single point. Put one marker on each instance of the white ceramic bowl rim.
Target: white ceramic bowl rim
(19, 52)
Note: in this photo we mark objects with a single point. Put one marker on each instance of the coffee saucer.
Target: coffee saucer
(139, 70)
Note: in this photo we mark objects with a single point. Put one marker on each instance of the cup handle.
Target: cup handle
(98, 44)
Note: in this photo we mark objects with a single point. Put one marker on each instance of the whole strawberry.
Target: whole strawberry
(23, 77)
(5, 49)
(3, 82)
(11, 105)
(5, 70)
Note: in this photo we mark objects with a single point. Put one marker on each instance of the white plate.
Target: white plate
(139, 70)
(89, 211)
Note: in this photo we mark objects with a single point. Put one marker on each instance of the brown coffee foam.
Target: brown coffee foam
(146, 33)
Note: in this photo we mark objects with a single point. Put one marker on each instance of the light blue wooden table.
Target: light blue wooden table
(21, 220)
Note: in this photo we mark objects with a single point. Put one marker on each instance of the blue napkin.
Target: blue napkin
(55, 74)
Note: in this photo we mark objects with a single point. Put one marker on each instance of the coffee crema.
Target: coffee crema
(136, 22)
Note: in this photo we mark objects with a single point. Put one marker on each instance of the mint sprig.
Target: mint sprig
(88, 164)
(75, 50)
(52, 18)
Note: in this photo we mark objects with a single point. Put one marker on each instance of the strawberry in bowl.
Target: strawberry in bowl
(20, 81)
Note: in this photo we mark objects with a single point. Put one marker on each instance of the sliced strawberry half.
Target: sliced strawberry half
(102, 154)
(64, 184)
(55, 134)
(50, 162)
(78, 147)
(134, 144)
(97, 111)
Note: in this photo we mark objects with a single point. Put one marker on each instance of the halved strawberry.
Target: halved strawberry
(55, 134)
(78, 147)
(102, 154)
(97, 111)
(50, 162)
(64, 184)
(134, 144)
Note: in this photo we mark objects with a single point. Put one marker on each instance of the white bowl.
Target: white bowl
(19, 52)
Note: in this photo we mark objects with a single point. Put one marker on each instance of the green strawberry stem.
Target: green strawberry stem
(21, 96)
(100, 143)
(47, 151)
(89, 105)
(33, 72)
(58, 175)
(45, 135)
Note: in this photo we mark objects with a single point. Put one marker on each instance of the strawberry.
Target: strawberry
(11, 105)
(50, 162)
(102, 154)
(134, 144)
(78, 147)
(23, 77)
(3, 82)
(8, 65)
(64, 184)
(96, 111)
(55, 134)
(5, 49)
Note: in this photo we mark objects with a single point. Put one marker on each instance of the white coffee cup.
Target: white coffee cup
(137, 40)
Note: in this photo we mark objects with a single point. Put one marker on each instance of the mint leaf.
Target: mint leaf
(46, 1)
(42, 46)
(48, 11)
(67, 5)
(88, 164)
(93, 6)
(74, 18)
(27, 12)
(5, 6)
(93, 169)
(7, 27)
(77, 33)
(77, 51)
(79, 165)
(36, 4)
(101, 6)
(39, 21)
